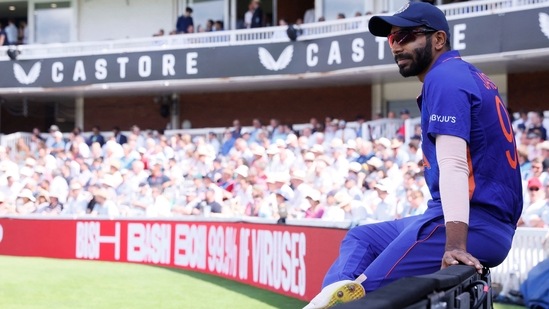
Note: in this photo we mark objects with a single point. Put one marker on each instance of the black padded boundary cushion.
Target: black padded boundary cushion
(410, 291)
(397, 295)
(451, 276)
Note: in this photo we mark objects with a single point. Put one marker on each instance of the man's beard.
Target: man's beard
(423, 57)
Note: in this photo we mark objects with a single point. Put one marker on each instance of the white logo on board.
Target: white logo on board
(25, 78)
(544, 23)
(270, 64)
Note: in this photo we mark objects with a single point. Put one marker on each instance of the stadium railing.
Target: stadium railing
(526, 252)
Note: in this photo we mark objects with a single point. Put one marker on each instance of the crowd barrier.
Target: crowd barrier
(287, 259)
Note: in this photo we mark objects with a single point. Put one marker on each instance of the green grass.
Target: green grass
(28, 283)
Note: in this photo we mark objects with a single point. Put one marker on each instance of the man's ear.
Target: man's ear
(440, 40)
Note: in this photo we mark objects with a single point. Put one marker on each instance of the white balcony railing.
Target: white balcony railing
(255, 36)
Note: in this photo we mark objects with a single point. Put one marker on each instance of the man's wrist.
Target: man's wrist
(456, 235)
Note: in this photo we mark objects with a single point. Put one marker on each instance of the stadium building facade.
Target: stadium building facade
(95, 62)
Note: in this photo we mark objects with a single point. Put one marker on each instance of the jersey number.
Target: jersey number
(507, 130)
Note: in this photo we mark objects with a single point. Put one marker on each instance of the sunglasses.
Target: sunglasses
(533, 189)
(406, 36)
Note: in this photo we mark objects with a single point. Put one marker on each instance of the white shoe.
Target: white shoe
(338, 292)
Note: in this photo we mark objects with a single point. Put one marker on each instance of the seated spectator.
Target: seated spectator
(536, 125)
(96, 137)
(385, 206)
(159, 33)
(281, 213)
(77, 202)
(332, 211)
(54, 207)
(6, 208)
(218, 26)
(415, 204)
(157, 177)
(104, 206)
(161, 207)
(316, 209)
(210, 205)
(27, 204)
(533, 211)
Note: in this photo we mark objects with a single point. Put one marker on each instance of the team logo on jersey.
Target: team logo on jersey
(544, 23)
(440, 118)
(270, 64)
(23, 77)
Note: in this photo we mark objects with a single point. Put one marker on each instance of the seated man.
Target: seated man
(470, 164)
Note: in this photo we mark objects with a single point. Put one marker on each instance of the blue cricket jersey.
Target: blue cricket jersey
(459, 100)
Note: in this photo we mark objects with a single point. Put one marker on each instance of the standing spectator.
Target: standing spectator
(58, 145)
(3, 37)
(96, 137)
(345, 133)
(11, 32)
(22, 151)
(249, 15)
(23, 32)
(228, 143)
(213, 141)
(257, 17)
(309, 16)
(185, 23)
(51, 137)
(237, 128)
(119, 137)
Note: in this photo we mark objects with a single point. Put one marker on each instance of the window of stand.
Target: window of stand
(52, 22)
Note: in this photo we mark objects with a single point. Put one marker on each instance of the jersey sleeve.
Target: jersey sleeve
(449, 99)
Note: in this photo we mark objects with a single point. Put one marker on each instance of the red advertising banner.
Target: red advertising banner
(286, 259)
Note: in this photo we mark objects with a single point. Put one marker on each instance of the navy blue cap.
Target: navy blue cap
(412, 14)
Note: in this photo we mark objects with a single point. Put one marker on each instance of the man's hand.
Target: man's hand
(456, 256)
(455, 251)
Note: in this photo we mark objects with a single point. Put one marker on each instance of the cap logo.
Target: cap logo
(402, 9)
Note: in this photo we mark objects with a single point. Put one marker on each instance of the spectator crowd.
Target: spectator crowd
(12, 34)
(327, 171)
